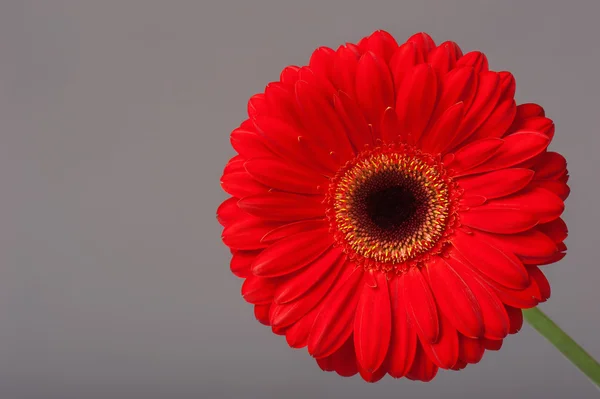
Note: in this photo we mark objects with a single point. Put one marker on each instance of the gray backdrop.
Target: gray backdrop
(115, 118)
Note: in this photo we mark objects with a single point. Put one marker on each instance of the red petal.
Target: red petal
(502, 267)
(508, 85)
(286, 140)
(297, 334)
(316, 80)
(382, 44)
(420, 305)
(247, 125)
(256, 105)
(334, 323)
(561, 190)
(326, 363)
(544, 261)
(540, 202)
(564, 178)
(390, 126)
(291, 253)
(438, 137)
(246, 233)
(497, 220)
(517, 148)
(469, 202)
(258, 290)
(557, 230)
(241, 261)
(372, 377)
(423, 43)
(321, 61)
(474, 154)
(530, 243)
(550, 166)
(351, 116)
(459, 85)
(529, 110)
(362, 45)
(289, 75)
(241, 184)
(403, 343)
(460, 365)
(498, 122)
(447, 159)
(345, 64)
(250, 144)
(541, 281)
(416, 100)
(495, 319)
(281, 101)
(261, 313)
(422, 369)
(294, 228)
(492, 344)
(475, 59)
(280, 136)
(484, 102)
(299, 284)
(539, 124)
(235, 165)
(443, 58)
(404, 59)
(278, 330)
(228, 211)
(526, 298)
(342, 361)
(285, 314)
(284, 207)
(470, 350)
(321, 121)
(496, 184)
(454, 49)
(355, 49)
(454, 298)
(444, 353)
(373, 324)
(374, 87)
(284, 176)
(516, 319)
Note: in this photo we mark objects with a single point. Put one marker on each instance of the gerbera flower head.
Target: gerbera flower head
(392, 208)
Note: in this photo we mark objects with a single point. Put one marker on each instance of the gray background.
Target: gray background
(115, 118)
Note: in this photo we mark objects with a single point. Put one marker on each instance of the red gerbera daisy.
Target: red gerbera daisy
(392, 205)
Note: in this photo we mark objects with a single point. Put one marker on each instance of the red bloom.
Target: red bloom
(392, 207)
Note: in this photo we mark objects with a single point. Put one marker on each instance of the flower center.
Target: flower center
(390, 207)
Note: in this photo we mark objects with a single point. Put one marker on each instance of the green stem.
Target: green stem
(565, 344)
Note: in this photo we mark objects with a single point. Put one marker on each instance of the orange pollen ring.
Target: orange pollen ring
(392, 207)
